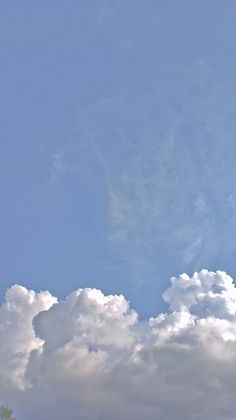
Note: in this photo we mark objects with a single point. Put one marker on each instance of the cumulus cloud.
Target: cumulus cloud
(91, 357)
(17, 336)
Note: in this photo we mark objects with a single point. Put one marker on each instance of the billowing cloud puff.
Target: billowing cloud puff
(17, 336)
(90, 357)
(206, 293)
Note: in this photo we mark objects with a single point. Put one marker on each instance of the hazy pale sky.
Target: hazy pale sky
(117, 145)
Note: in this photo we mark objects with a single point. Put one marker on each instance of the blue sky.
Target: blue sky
(117, 144)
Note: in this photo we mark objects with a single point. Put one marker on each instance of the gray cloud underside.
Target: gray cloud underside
(90, 357)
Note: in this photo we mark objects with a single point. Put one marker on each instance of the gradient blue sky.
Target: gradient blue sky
(117, 144)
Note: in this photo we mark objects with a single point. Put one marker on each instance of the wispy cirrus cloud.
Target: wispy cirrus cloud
(162, 149)
(170, 180)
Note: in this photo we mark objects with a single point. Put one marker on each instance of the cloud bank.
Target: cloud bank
(91, 357)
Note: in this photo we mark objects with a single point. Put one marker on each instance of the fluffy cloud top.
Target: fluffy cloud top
(90, 357)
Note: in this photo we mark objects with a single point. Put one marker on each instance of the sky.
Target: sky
(117, 173)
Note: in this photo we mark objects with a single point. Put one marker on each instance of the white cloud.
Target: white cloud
(17, 336)
(90, 357)
(206, 294)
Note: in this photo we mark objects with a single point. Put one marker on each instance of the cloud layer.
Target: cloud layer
(90, 357)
